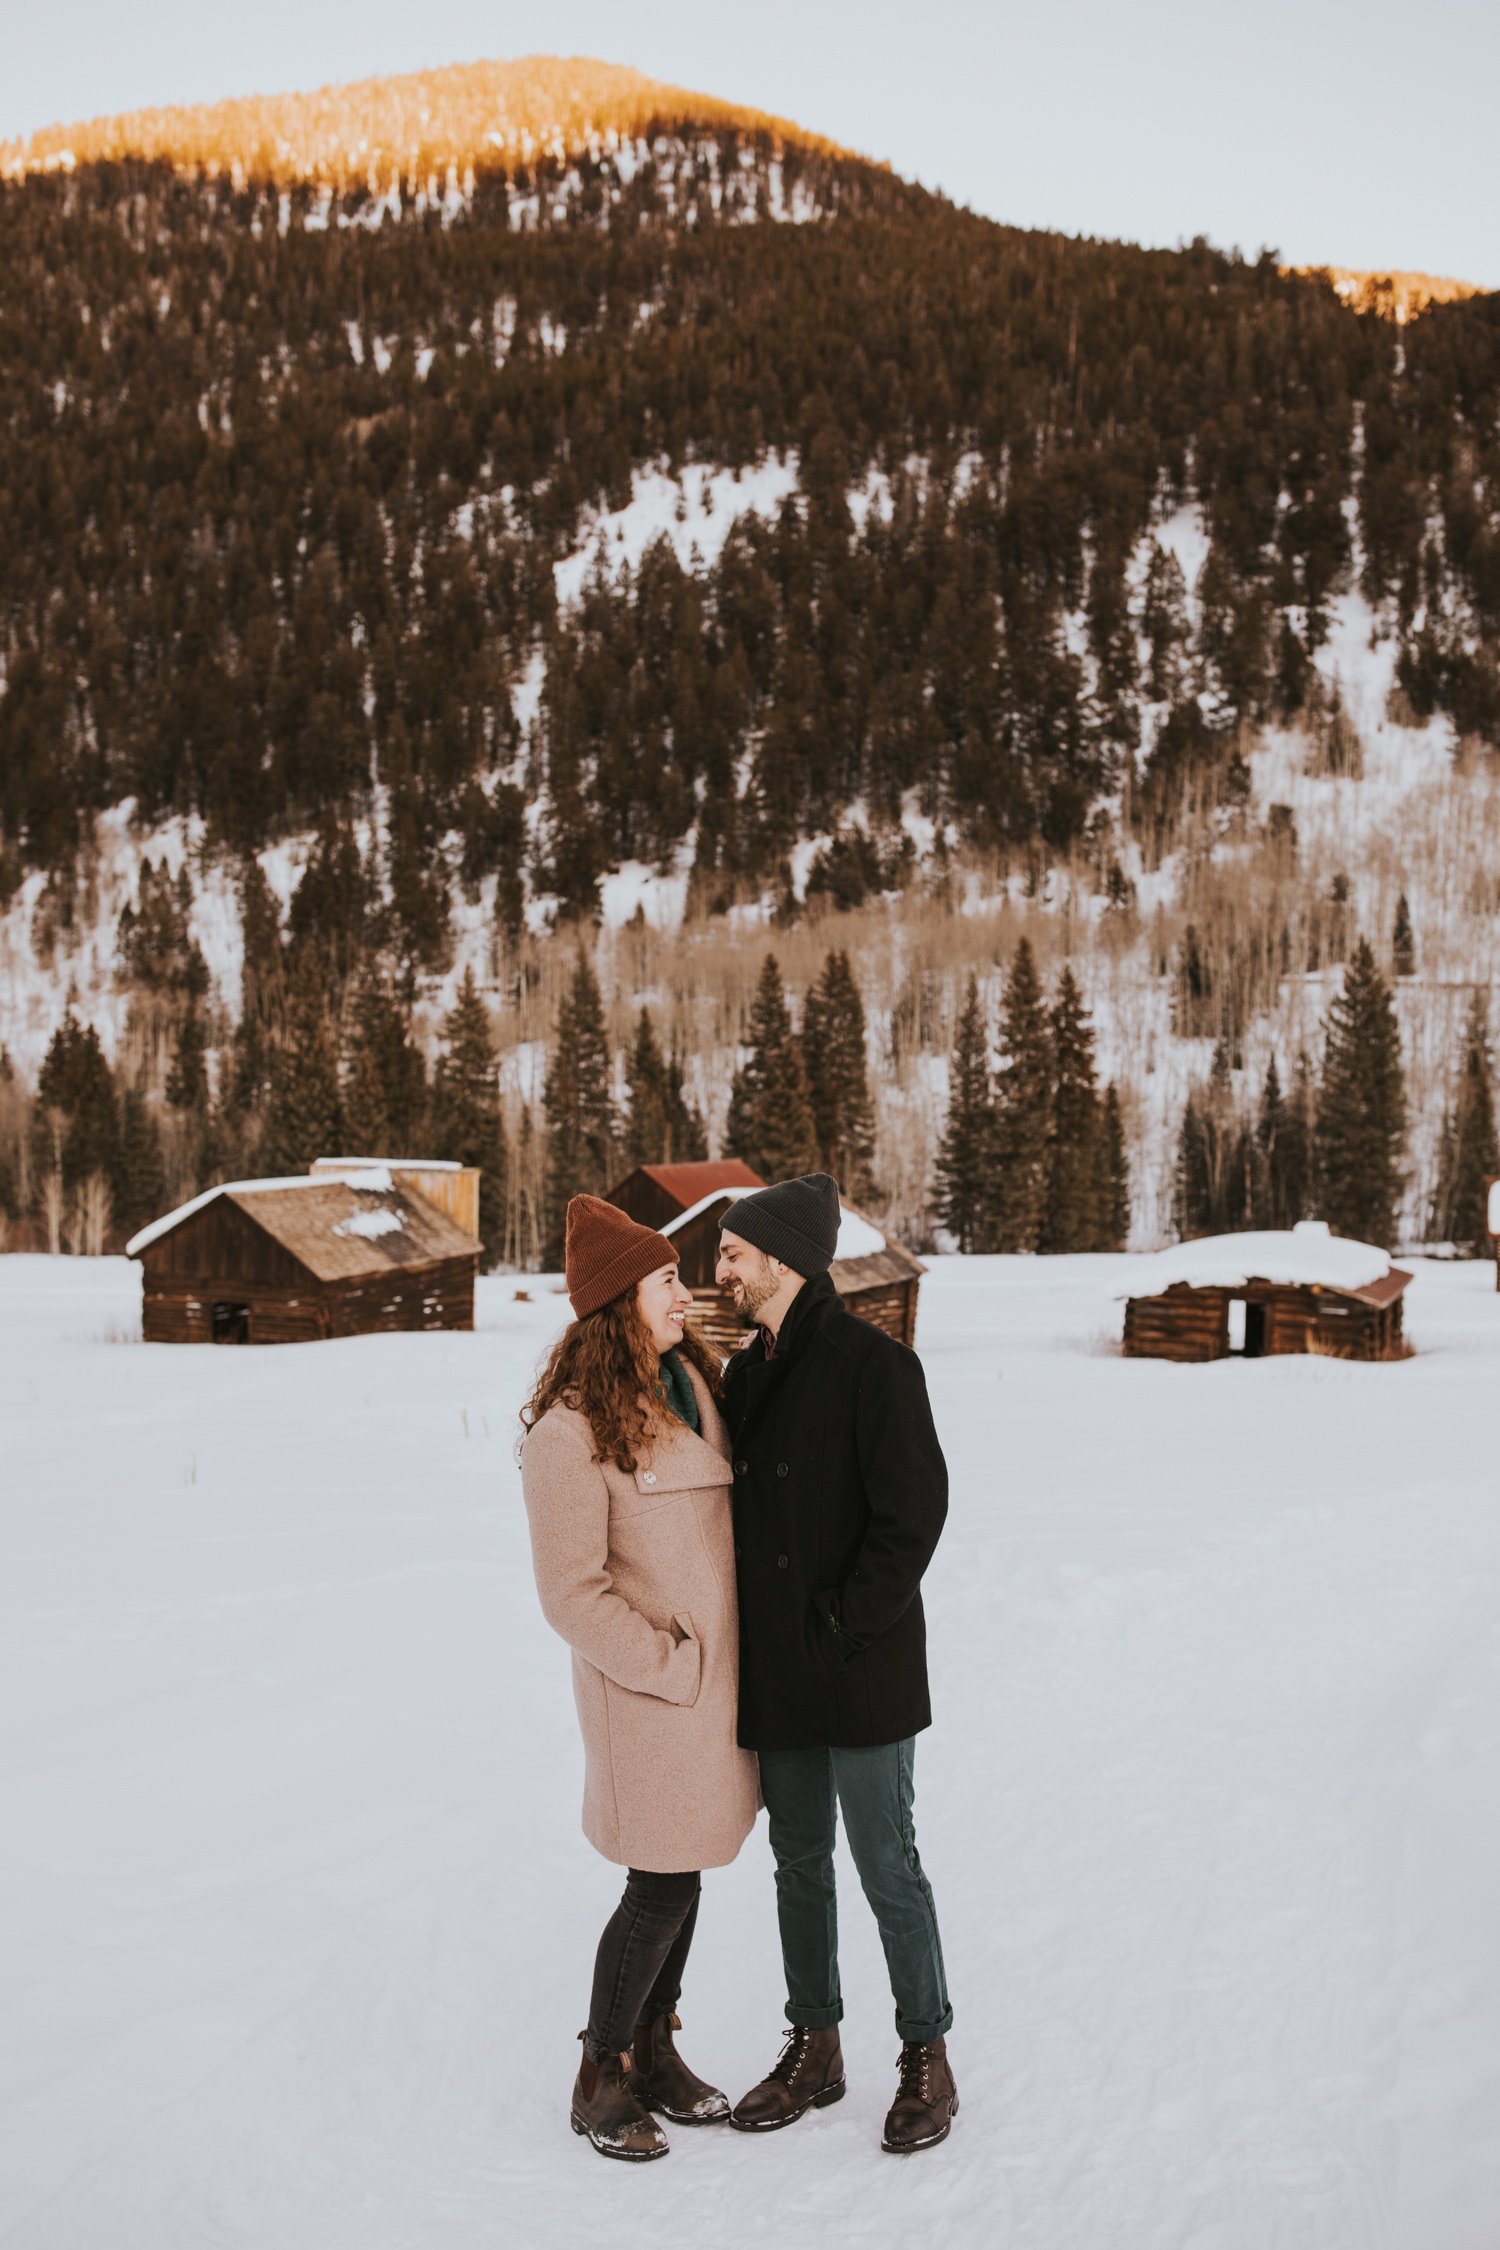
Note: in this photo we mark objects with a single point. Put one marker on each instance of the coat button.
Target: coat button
(781, 1562)
(782, 1470)
(739, 1554)
(742, 1468)
(648, 1476)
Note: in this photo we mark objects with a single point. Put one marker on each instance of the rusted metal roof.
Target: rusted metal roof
(688, 1184)
(1379, 1293)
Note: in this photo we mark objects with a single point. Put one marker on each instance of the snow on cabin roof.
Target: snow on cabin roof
(379, 1179)
(336, 1225)
(857, 1237)
(1304, 1256)
(322, 1166)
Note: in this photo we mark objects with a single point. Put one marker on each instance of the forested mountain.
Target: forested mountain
(302, 405)
(282, 487)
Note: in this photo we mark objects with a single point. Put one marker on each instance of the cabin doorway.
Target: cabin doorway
(1255, 1331)
(231, 1324)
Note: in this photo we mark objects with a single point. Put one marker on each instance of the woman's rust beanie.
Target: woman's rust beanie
(606, 1253)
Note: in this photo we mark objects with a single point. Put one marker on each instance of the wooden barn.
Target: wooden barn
(293, 1261)
(876, 1278)
(1256, 1295)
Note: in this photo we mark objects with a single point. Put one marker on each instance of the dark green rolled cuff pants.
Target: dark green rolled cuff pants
(804, 1791)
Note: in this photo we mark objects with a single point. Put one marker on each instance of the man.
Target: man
(840, 1491)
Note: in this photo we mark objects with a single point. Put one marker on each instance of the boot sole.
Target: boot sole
(829, 2095)
(621, 2155)
(910, 2148)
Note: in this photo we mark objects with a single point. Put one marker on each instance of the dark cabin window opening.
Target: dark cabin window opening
(231, 1324)
(1245, 1329)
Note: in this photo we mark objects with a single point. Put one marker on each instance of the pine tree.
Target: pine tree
(385, 1078)
(187, 1080)
(303, 1119)
(770, 1110)
(467, 1120)
(582, 1130)
(75, 1124)
(263, 985)
(1362, 1107)
(685, 1119)
(1114, 1174)
(833, 1048)
(1469, 1154)
(140, 1180)
(1023, 1104)
(661, 1127)
(1285, 1140)
(1219, 1171)
(1072, 1218)
(1270, 1125)
(966, 1157)
(1403, 941)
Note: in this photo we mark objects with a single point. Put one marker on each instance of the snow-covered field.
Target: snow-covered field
(296, 1921)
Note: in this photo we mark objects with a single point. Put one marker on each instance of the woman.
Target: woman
(626, 1477)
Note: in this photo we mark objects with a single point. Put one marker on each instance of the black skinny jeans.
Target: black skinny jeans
(638, 1968)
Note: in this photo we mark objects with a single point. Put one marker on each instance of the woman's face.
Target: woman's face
(663, 1303)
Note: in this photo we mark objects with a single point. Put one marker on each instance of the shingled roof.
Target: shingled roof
(337, 1229)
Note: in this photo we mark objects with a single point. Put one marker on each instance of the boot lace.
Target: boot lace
(788, 2064)
(915, 2066)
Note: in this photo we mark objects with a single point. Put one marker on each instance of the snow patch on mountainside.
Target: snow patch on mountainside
(696, 512)
(84, 960)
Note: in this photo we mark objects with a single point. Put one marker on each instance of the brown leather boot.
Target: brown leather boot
(609, 2111)
(807, 2074)
(926, 2100)
(663, 2081)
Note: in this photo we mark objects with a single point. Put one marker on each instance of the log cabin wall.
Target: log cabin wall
(893, 1308)
(421, 1297)
(1190, 1326)
(181, 1311)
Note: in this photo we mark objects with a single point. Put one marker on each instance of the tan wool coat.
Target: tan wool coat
(637, 1574)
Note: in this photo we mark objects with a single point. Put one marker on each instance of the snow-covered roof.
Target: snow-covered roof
(1303, 1256)
(336, 1167)
(857, 1237)
(375, 1177)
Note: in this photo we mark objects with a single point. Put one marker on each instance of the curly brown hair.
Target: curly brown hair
(607, 1368)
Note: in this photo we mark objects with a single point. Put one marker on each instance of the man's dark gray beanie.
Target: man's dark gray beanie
(796, 1221)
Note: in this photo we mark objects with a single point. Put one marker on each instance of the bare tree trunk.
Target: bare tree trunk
(52, 1210)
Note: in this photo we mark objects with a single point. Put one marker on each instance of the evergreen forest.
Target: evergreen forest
(287, 466)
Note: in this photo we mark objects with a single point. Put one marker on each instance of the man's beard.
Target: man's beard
(756, 1290)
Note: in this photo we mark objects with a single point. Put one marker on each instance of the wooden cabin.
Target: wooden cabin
(297, 1260)
(1257, 1295)
(876, 1278)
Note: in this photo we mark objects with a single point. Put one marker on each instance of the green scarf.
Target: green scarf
(678, 1391)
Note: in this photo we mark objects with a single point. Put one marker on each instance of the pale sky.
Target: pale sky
(1345, 132)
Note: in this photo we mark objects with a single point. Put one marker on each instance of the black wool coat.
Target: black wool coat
(840, 1491)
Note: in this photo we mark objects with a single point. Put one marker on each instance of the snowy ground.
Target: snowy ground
(295, 1919)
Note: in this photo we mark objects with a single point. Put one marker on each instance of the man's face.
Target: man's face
(751, 1278)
